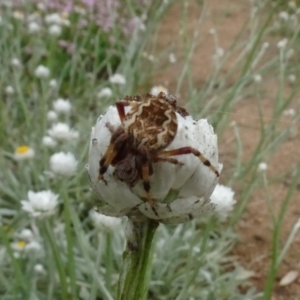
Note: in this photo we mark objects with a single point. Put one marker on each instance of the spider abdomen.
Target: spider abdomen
(152, 123)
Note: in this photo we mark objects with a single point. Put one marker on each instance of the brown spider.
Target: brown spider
(145, 131)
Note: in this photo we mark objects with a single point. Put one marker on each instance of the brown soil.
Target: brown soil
(255, 227)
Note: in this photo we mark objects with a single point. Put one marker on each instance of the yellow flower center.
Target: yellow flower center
(21, 244)
(22, 149)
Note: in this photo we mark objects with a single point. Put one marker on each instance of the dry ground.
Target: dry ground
(255, 228)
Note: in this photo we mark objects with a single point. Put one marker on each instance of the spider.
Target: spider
(146, 130)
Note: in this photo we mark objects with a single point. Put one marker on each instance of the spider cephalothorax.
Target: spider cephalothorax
(148, 127)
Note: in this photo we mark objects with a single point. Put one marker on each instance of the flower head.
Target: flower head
(290, 112)
(257, 78)
(105, 92)
(63, 164)
(53, 83)
(262, 167)
(48, 141)
(62, 106)
(26, 234)
(9, 90)
(51, 116)
(282, 43)
(15, 62)
(292, 78)
(54, 18)
(39, 269)
(172, 58)
(34, 27)
(55, 30)
(23, 153)
(42, 72)
(223, 198)
(117, 79)
(180, 184)
(62, 132)
(40, 204)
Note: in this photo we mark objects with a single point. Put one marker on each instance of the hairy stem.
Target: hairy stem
(137, 257)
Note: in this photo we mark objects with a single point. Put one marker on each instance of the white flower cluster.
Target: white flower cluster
(59, 132)
(223, 197)
(40, 204)
(27, 242)
(117, 79)
(62, 132)
(62, 106)
(63, 164)
(42, 72)
(186, 186)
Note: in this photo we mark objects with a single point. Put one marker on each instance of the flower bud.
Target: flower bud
(148, 158)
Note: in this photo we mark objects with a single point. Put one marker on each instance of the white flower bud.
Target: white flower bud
(42, 72)
(117, 79)
(63, 164)
(180, 182)
(223, 197)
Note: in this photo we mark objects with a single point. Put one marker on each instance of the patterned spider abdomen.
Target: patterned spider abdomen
(151, 122)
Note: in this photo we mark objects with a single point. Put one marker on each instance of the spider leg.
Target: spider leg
(121, 108)
(146, 183)
(116, 143)
(189, 150)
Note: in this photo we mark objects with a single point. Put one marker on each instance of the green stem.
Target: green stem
(108, 260)
(137, 256)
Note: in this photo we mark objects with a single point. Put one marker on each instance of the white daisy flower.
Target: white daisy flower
(51, 116)
(18, 15)
(63, 164)
(39, 269)
(262, 167)
(290, 112)
(53, 18)
(180, 184)
(53, 83)
(284, 16)
(40, 204)
(9, 90)
(48, 141)
(257, 78)
(105, 93)
(18, 246)
(62, 106)
(42, 72)
(33, 246)
(172, 58)
(282, 43)
(34, 27)
(223, 198)
(292, 78)
(23, 153)
(117, 79)
(15, 62)
(62, 132)
(55, 30)
(26, 234)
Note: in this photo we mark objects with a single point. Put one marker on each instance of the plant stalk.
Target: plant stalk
(137, 258)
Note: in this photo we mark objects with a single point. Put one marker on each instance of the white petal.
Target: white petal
(188, 217)
(289, 278)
